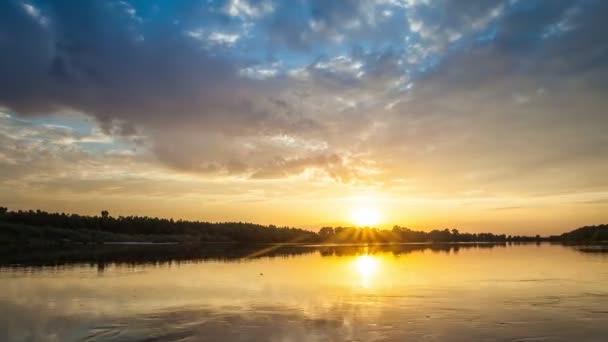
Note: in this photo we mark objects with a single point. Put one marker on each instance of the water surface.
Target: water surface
(305, 293)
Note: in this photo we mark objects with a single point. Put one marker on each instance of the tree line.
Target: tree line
(404, 234)
(587, 233)
(23, 225)
(141, 227)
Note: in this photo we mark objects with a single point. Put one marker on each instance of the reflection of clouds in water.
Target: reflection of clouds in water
(39, 323)
(431, 316)
(416, 293)
(258, 323)
(360, 321)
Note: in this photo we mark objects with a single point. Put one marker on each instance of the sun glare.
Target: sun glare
(365, 216)
(366, 266)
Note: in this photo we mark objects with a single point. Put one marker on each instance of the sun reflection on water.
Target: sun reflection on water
(366, 266)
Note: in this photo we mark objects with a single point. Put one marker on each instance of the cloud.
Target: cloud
(248, 9)
(495, 93)
(223, 38)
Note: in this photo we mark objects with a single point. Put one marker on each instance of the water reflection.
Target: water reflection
(103, 255)
(597, 249)
(366, 267)
(362, 321)
(470, 292)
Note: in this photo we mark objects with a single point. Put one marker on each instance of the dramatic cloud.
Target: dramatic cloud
(423, 98)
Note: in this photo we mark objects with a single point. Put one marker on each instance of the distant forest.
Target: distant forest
(40, 227)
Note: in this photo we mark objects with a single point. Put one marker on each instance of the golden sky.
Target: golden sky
(318, 113)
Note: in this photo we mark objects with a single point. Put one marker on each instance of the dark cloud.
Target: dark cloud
(486, 89)
(95, 58)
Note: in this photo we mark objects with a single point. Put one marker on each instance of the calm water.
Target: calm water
(262, 293)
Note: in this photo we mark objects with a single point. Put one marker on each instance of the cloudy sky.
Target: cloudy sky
(475, 114)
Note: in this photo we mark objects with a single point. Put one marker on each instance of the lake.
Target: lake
(407, 292)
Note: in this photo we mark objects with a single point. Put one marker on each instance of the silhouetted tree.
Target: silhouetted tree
(597, 233)
(326, 232)
(153, 227)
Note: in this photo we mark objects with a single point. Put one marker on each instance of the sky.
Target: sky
(481, 115)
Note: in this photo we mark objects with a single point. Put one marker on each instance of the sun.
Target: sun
(365, 216)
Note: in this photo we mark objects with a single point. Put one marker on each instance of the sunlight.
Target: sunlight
(366, 266)
(365, 216)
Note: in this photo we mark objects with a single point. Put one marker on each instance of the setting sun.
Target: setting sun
(365, 216)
